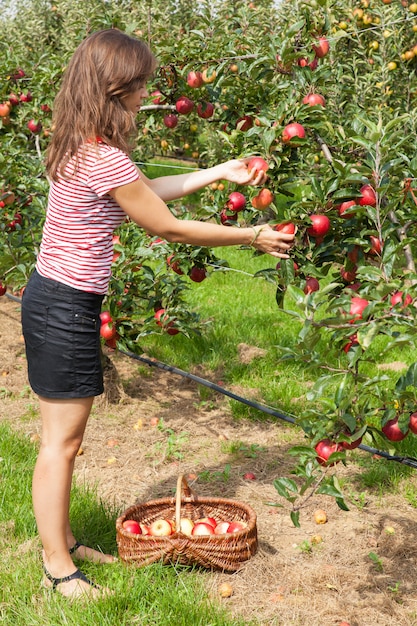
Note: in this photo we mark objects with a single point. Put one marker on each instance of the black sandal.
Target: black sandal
(75, 547)
(77, 575)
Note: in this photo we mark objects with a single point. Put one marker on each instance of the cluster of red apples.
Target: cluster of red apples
(203, 526)
(35, 126)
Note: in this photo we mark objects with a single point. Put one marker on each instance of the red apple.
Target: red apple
(353, 341)
(235, 527)
(397, 298)
(174, 265)
(348, 275)
(312, 284)
(108, 332)
(14, 99)
(321, 48)
(342, 209)
(376, 245)
(184, 105)
(227, 217)
(236, 201)
(194, 79)
(413, 423)
(306, 63)
(258, 163)
(368, 196)
(34, 126)
(285, 227)
(198, 273)
(25, 97)
(320, 226)
(160, 528)
(221, 528)
(324, 449)
(170, 120)
(392, 431)
(314, 99)
(206, 520)
(202, 529)
(351, 445)
(249, 476)
(357, 307)
(5, 109)
(163, 320)
(244, 123)
(156, 96)
(105, 317)
(293, 130)
(132, 526)
(264, 198)
(205, 110)
(3, 289)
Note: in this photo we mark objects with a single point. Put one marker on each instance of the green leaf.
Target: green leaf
(408, 379)
(342, 504)
(295, 518)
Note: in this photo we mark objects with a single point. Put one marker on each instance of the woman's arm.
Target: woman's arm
(147, 209)
(179, 185)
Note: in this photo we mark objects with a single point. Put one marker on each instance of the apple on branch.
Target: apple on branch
(314, 99)
(320, 225)
(257, 163)
(293, 130)
(184, 105)
(194, 79)
(263, 199)
(236, 201)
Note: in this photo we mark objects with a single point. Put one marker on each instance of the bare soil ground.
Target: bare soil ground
(152, 426)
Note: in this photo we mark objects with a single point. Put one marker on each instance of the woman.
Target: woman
(94, 185)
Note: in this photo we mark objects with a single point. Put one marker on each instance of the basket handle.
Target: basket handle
(182, 486)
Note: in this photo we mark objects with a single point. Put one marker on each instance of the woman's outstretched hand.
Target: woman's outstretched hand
(236, 171)
(270, 241)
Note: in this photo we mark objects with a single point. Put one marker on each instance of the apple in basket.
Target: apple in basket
(186, 526)
(206, 520)
(235, 527)
(132, 526)
(160, 528)
(145, 529)
(221, 528)
(202, 529)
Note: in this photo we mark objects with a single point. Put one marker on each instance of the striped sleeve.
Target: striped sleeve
(113, 170)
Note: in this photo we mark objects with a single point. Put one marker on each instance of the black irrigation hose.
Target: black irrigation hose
(405, 460)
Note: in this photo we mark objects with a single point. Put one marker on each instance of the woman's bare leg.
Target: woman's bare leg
(63, 426)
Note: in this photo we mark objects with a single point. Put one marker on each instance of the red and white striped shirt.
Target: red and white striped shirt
(77, 246)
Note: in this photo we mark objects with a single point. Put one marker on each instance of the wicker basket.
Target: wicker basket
(226, 552)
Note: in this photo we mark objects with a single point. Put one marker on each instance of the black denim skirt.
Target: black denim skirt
(61, 328)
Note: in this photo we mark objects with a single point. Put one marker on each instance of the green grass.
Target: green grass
(238, 309)
(153, 596)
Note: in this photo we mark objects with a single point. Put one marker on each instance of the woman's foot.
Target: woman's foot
(84, 553)
(74, 586)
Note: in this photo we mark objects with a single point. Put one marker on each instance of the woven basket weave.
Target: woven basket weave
(226, 552)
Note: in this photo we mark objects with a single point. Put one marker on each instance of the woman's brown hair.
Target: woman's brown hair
(105, 68)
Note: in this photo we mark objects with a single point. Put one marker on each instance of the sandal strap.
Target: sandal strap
(77, 575)
(75, 547)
